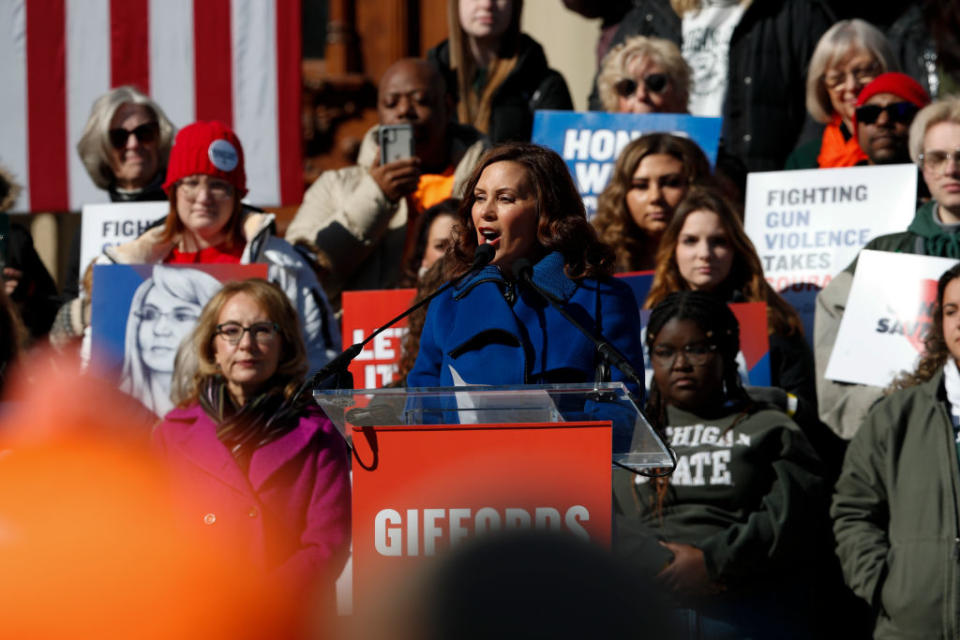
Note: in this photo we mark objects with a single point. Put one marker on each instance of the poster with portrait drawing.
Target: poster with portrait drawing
(140, 315)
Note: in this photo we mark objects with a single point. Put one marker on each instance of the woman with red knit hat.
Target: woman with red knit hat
(208, 223)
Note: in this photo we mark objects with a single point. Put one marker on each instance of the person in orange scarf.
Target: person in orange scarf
(848, 57)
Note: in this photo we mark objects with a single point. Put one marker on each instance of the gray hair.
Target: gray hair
(94, 145)
(663, 52)
(943, 110)
(838, 41)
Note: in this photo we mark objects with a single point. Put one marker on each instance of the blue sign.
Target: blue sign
(590, 142)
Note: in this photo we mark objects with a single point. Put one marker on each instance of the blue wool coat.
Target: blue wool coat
(496, 332)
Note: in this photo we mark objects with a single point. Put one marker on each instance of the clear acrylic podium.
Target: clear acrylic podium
(635, 445)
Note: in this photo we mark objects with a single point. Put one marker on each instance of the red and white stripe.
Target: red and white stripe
(232, 60)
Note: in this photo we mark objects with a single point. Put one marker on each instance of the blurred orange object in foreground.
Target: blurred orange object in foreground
(89, 545)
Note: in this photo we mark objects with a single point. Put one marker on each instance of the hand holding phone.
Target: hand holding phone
(396, 170)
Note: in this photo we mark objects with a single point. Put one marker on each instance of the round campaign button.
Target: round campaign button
(223, 155)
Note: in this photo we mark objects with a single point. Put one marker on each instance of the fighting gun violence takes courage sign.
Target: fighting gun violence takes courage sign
(807, 226)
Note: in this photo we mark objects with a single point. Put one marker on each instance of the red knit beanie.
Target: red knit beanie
(208, 148)
(899, 84)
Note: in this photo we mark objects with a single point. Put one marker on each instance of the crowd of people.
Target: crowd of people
(826, 508)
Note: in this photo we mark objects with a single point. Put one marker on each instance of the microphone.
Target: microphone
(523, 272)
(338, 366)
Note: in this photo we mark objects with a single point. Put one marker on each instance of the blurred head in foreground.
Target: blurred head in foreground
(521, 584)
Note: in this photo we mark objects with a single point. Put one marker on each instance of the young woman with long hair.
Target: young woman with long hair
(705, 248)
(650, 178)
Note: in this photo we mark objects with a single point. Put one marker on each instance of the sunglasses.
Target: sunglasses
(654, 83)
(901, 112)
(145, 133)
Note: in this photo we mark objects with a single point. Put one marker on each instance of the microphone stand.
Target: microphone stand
(523, 272)
(337, 368)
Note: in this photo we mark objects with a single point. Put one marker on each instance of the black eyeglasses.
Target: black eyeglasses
(654, 83)
(901, 112)
(696, 354)
(145, 134)
(263, 333)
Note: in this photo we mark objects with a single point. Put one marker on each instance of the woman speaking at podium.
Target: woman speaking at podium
(493, 327)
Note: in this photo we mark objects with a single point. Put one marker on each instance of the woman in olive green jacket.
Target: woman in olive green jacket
(896, 509)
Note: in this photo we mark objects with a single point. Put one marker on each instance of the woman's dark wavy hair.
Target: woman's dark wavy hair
(746, 272)
(411, 270)
(935, 350)
(614, 224)
(562, 224)
(718, 323)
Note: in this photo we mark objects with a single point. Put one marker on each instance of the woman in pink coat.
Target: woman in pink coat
(251, 461)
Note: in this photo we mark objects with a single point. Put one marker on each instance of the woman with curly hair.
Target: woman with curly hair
(490, 329)
(896, 507)
(650, 177)
(728, 534)
(705, 248)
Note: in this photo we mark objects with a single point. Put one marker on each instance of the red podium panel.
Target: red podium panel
(420, 490)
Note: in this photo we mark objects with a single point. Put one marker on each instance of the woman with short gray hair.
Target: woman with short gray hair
(125, 145)
(847, 58)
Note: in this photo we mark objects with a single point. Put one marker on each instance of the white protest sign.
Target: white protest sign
(107, 225)
(807, 226)
(888, 313)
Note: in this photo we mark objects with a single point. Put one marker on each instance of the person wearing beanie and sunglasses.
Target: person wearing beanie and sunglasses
(885, 109)
(208, 223)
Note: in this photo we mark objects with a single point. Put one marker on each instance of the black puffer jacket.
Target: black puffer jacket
(530, 86)
(764, 113)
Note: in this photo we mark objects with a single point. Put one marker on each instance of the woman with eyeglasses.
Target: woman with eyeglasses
(498, 75)
(650, 178)
(208, 224)
(847, 58)
(730, 533)
(644, 75)
(256, 464)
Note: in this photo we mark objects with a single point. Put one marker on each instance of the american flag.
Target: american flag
(232, 60)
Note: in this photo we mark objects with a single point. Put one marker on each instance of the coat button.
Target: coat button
(210, 518)
(253, 513)
(649, 17)
(747, 137)
(747, 80)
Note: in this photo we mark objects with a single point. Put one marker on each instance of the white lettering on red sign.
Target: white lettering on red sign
(423, 530)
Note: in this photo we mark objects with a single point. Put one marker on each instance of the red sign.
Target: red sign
(363, 313)
(418, 490)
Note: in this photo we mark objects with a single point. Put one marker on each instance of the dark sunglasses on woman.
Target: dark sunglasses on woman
(654, 83)
(901, 112)
(145, 133)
